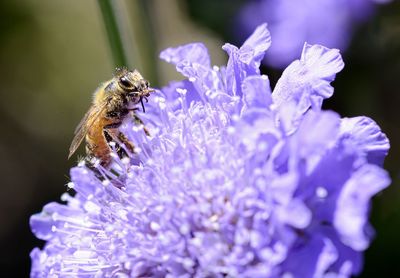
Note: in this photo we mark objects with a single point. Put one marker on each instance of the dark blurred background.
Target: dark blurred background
(54, 53)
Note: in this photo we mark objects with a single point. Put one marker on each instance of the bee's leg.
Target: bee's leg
(90, 165)
(128, 144)
(139, 121)
(119, 137)
(117, 114)
(112, 126)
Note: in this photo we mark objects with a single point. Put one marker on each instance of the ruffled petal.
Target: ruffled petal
(246, 61)
(38, 267)
(322, 64)
(365, 135)
(192, 60)
(254, 48)
(311, 259)
(306, 82)
(353, 205)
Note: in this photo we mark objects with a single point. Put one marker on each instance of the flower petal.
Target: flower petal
(192, 60)
(364, 134)
(257, 44)
(312, 258)
(307, 81)
(246, 61)
(256, 92)
(353, 205)
(317, 133)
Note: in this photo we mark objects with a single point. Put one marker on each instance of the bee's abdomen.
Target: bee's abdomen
(96, 143)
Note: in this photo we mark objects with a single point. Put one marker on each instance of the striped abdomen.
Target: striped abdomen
(96, 142)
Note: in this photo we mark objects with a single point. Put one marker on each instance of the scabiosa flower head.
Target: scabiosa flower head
(292, 22)
(235, 180)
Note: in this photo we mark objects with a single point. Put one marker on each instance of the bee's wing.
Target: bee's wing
(84, 125)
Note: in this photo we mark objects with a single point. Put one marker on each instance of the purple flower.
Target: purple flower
(292, 22)
(235, 180)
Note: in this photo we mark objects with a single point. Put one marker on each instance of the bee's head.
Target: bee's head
(131, 81)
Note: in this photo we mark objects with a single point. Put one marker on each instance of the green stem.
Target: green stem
(148, 43)
(113, 32)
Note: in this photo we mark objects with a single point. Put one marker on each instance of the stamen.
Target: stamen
(58, 230)
(85, 229)
(66, 273)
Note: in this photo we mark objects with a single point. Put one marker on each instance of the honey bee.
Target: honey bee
(112, 102)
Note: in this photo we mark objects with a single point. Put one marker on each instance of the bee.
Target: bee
(112, 102)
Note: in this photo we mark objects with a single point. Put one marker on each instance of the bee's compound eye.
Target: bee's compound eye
(125, 82)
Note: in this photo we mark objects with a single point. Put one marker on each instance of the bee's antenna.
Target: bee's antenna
(141, 101)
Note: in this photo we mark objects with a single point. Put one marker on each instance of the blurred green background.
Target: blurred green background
(54, 53)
